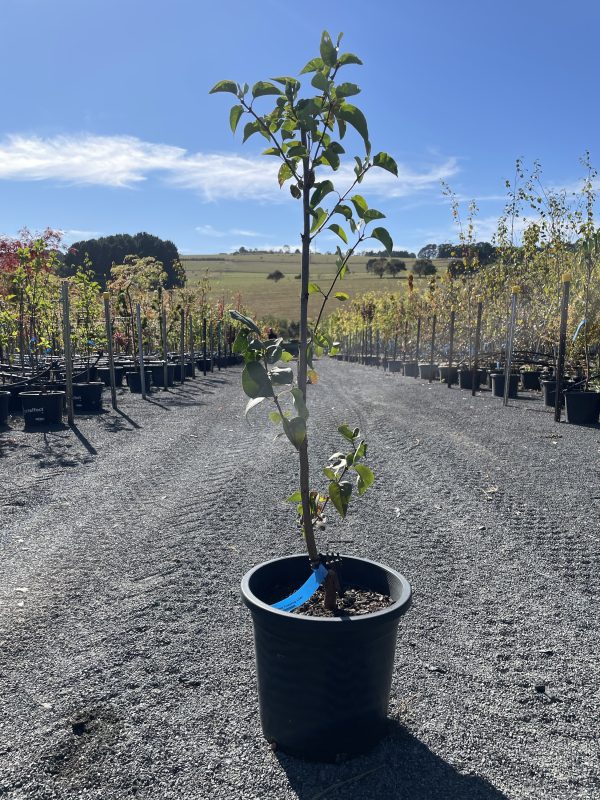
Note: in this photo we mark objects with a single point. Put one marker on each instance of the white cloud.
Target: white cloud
(209, 230)
(124, 161)
(100, 160)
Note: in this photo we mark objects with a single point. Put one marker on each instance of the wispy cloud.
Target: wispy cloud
(126, 161)
(209, 230)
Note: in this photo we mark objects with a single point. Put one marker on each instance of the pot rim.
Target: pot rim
(398, 607)
(40, 393)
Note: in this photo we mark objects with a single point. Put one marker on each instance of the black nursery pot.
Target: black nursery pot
(549, 394)
(394, 366)
(104, 375)
(411, 369)
(582, 408)
(4, 406)
(428, 372)
(87, 397)
(465, 378)
(498, 385)
(324, 682)
(530, 380)
(42, 408)
(452, 372)
(134, 379)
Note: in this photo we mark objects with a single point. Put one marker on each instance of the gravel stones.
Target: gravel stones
(131, 538)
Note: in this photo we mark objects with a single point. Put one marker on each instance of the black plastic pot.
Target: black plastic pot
(582, 408)
(87, 397)
(411, 369)
(324, 682)
(428, 371)
(42, 408)
(549, 394)
(4, 406)
(445, 371)
(134, 379)
(88, 374)
(498, 385)
(157, 370)
(104, 375)
(394, 366)
(200, 364)
(530, 380)
(465, 378)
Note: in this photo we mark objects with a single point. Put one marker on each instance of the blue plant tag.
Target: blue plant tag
(579, 327)
(305, 592)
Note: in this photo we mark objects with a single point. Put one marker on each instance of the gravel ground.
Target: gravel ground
(126, 656)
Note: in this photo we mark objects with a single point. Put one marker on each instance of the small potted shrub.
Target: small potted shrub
(324, 675)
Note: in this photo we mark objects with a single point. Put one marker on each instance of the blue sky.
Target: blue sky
(108, 126)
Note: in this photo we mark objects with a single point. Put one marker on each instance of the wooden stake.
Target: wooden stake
(138, 322)
(68, 356)
(562, 345)
(109, 342)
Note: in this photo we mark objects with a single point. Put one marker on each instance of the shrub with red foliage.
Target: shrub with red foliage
(29, 247)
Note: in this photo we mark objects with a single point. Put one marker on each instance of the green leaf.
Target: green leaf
(314, 288)
(250, 128)
(252, 403)
(224, 86)
(360, 204)
(372, 214)
(328, 50)
(342, 208)
(275, 417)
(320, 81)
(286, 357)
(347, 89)
(263, 88)
(270, 151)
(385, 161)
(346, 432)
(255, 381)
(354, 116)
(361, 451)
(234, 117)
(329, 473)
(321, 190)
(339, 494)
(244, 320)
(383, 236)
(320, 215)
(240, 344)
(299, 403)
(339, 230)
(295, 191)
(274, 354)
(283, 79)
(297, 151)
(341, 296)
(313, 65)
(365, 477)
(281, 376)
(330, 157)
(295, 498)
(348, 58)
(295, 430)
(284, 174)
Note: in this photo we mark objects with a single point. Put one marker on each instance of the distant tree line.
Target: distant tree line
(483, 251)
(379, 266)
(384, 253)
(109, 250)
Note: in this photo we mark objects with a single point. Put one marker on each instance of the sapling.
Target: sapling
(304, 132)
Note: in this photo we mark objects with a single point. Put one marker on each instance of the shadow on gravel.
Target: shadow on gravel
(127, 417)
(400, 768)
(84, 441)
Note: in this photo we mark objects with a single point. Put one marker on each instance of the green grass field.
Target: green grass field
(247, 274)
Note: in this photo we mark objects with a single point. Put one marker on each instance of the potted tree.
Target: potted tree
(324, 675)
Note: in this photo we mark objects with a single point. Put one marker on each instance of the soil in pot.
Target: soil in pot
(42, 408)
(582, 408)
(324, 682)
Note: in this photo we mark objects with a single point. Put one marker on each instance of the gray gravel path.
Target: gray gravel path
(126, 660)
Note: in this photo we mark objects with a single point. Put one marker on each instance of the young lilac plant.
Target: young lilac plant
(304, 133)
